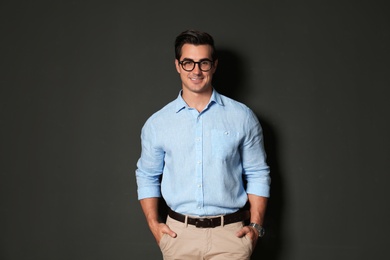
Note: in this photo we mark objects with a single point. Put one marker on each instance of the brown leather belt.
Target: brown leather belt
(211, 222)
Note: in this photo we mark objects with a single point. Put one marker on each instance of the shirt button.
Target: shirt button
(199, 162)
(199, 185)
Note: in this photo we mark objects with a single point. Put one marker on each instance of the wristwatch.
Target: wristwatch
(259, 229)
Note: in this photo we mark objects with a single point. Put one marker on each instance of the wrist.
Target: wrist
(153, 223)
(260, 230)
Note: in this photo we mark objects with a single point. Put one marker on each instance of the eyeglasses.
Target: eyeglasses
(204, 65)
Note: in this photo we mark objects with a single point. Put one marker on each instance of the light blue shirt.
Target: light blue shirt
(198, 162)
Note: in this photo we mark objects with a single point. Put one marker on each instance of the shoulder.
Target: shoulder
(235, 106)
(238, 111)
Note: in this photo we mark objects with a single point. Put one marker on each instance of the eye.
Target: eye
(187, 63)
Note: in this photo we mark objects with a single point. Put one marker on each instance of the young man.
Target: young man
(203, 153)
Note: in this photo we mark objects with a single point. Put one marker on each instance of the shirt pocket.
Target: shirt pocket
(224, 143)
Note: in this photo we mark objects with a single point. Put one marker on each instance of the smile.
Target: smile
(195, 78)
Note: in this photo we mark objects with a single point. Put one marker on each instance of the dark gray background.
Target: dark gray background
(79, 78)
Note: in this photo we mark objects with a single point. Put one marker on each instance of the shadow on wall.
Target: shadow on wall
(230, 80)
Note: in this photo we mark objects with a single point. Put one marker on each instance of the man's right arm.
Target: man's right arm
(150, 209)
(148, 174)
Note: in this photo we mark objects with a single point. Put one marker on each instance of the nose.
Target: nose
(197, 69)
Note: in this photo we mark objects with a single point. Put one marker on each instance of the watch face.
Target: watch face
(261, 232)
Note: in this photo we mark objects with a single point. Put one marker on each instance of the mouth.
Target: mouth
(195, 78)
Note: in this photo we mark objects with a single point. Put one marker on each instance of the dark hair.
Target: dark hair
(196, 38)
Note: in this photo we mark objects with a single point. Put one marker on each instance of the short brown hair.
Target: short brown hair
(196, 38)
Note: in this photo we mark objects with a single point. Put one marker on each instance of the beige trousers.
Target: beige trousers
(219, 243)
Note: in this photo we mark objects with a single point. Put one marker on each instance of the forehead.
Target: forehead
(196, 52)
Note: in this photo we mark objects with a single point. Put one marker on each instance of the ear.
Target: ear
(215, 65)
(177, 66)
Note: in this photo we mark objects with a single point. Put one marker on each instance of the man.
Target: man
(203, 153)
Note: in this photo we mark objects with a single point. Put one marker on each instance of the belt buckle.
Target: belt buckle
(204, 223)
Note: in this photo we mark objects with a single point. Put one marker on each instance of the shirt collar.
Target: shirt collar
(181, 104)
(216, 97)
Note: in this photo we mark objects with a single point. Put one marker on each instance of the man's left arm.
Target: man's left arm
(256, 173)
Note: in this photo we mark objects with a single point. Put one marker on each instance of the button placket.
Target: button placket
(198, 161)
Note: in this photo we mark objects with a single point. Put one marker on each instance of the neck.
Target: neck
(197, 100)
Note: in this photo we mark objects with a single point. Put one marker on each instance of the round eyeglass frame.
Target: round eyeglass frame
(199, 65)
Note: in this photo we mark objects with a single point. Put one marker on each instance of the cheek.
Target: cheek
(183, 76)
(210, 76)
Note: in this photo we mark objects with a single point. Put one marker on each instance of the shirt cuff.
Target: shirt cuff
(149, 192)
(261, 190)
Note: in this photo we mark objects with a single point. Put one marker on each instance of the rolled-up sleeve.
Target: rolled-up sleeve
(256, 170)
(150, 164)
